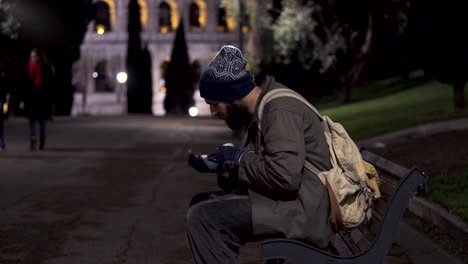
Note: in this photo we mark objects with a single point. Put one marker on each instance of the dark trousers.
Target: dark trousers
(40, 118)
(217, 225)
(37, 107)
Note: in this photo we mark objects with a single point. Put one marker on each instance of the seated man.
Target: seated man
(274, 195)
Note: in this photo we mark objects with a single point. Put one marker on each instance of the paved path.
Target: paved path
(115, 190)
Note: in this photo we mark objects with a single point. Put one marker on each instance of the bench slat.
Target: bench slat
(362, 227)
(386, 191)
(393, 169)
(364, 243)
(379, 206)
(341, 246)
(360, 240)
(372, 229)
(387, 178)
(356, 235)
(349, 242)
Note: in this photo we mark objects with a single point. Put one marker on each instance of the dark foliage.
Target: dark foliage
(439, 34)
(179, 95)
(139, 84)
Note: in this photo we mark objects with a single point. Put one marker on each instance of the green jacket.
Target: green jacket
(287, 200)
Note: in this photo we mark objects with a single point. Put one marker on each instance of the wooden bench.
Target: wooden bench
(370, 242)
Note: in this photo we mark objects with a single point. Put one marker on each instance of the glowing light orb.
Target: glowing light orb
(193, 111)
(122, 77)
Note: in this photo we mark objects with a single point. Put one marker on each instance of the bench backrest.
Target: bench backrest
(363, 238)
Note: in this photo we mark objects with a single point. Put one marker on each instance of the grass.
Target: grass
(428, 102)
(451, 192)
(374, 90)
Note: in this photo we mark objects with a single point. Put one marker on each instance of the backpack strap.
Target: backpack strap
(335, 219)
(282, 92)
(312, 168)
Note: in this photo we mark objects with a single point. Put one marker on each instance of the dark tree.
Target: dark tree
(439, 33)
(337, 44)
(146, 82)
(179, 95)
(133, 52)
(8, 23)
(332, 40)
(356, 23)
(139, 84)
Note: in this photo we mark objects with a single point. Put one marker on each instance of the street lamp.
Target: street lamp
(121, 79)
(101, 29)
(193, 111)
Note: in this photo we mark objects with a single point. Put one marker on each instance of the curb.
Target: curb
(412, 132)
(439, 216)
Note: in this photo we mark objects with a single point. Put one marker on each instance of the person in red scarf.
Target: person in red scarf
(39, 76)
(4, 95)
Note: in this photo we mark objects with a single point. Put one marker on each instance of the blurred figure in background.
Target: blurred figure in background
(4, 94)
(37, 96)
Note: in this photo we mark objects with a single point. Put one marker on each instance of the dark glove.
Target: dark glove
(226, 157)
(202, 165)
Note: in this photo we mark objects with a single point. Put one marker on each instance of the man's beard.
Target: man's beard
(237, 117)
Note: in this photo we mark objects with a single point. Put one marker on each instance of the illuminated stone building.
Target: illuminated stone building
(208, 26)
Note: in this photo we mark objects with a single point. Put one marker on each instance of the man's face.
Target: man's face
(234, 114)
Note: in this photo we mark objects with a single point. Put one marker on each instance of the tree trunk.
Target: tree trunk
(346, 90)
(360, 61)
(459, 94)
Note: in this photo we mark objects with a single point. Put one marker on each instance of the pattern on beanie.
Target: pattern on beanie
(228, 65)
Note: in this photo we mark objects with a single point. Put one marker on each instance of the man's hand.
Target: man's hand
(201, 164)
(227, 156)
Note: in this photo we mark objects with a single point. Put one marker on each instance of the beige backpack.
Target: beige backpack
(350, 190)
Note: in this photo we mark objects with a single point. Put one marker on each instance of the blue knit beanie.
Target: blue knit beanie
(226, 79)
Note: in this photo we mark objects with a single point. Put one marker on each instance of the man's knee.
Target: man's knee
(200, 197)
(195, 215)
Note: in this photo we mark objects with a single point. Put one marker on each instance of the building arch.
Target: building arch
(197, 14)
(112, 13)
(165, 13)
(226, 22)
(168, 15)
(102, 17)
